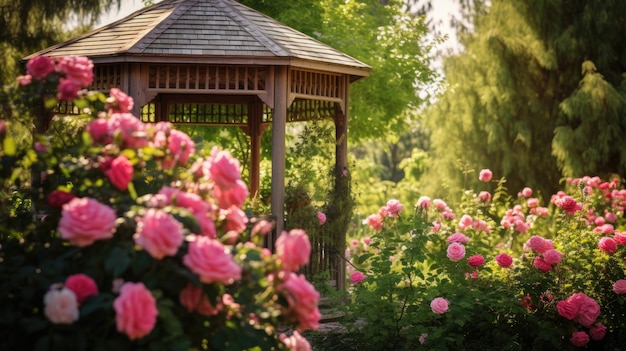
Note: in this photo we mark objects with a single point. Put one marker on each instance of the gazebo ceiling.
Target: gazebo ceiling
(206, 31)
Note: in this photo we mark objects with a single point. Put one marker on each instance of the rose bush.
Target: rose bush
(499, 273)
(139, 240)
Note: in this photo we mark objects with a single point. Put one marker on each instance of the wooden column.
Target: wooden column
(341, 150)
(279, 120)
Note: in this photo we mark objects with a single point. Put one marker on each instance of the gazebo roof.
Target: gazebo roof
(207, 31)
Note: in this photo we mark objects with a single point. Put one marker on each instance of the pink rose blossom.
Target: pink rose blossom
(40, 66)
(423, 202)
(293, 248)
(588, 309)
(224, 169)
(67, 90)
(394, 207)
(568, 204)
(484, 196)
(130, 129)
(552, 256)
(356, 277)
(533, 202)
(567, 309)
(440, 204)
(195, 300)
(619, 287)
(485, 175)
(159, 233)
(98, 129)
(541, 264)
(209, 259)
(302, 299)
(476, 261)
(611, 217)
(24, 80)
(58, 198)
(527, 192)
(375, 221)
(620, 238)
(82, 285)
(455, 252)
(77, 68)
(236, 219)
(295, 342)
(118, 101)
(120, 173)
(262, 227)
(597, 331)
(608, 245)
(321, 217)
(135, 310)
(458, 238)
(61, 306)
(181, 147)
(539, 244)
(504, 260)
(85, 220)
(465, 221)
(235, 196)
(579, 338)
(439, 305)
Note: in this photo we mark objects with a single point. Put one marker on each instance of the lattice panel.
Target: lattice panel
(306, 110)
(315, 84)
(66, 108)
(206, 77)
(106, 77)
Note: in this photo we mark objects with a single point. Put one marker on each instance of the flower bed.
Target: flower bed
(499, 273)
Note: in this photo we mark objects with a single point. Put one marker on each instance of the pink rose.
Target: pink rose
(40, 66)
(293, 248)
(224, 169)
(552, 256)
(458, 238)
(579, 339)
(455, 252)
(77, 68)
(67, 90)
(82, 285)
(159, 233)
(375, 221)
(98, 129)
(394, 207)
(61, 306)
(541, 264)
(439, 305)
(321, 217)
(235, 219)
(302, 299)
(588, 312)
(262, 227)
(532, 202)
(135, 310)
(422, 338)
(484, 196)
(465, 221)
(567, 309)
(85, 220)
(619, 287)
(504, 260)
(295, 342)
(209, 259)
(485, 175)
(129, 128)
(568, 204)
(118, 101)
(620, 238)
(597, 331)
(181, 147)
(527, 192)
(539, 244)
(423, 202)
(476, 261)
(235, 196)
(195, 300)
(356, 277)
(120, 173)
(608, 245)
(24, 80)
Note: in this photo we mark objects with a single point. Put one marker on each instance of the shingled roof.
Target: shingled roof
(204, 31)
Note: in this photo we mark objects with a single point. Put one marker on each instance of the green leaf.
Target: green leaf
(364, 257)
(8, 146)
(118, 261)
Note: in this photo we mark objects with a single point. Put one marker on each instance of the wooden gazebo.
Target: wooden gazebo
(217, 62)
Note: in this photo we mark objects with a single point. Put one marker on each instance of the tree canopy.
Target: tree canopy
(537, 95)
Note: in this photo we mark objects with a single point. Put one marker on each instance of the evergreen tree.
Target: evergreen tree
(516, 101)
(27, 26)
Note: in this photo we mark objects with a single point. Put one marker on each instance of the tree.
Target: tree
(27, 26)
(515, 101)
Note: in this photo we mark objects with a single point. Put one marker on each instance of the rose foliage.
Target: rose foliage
(498, 273)
(140, 241)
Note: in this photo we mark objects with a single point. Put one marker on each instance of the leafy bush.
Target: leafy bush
(139, 240)
(502, 273)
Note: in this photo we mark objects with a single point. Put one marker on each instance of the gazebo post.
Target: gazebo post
(279, 120)
(341, 159)
(255, 131)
